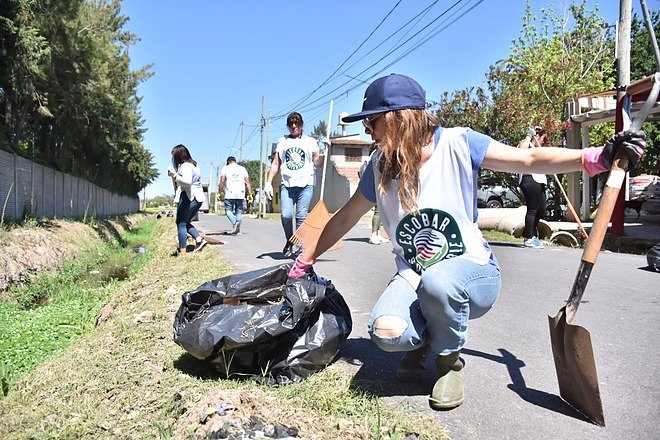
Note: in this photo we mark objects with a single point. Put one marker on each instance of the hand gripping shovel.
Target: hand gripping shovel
(571, 344)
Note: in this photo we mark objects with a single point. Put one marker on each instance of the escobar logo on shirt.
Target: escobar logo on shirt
(428, 237)
(294, 158)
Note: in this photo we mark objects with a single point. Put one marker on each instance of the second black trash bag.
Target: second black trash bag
(259, 324)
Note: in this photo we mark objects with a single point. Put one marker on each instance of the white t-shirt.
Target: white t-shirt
(189, 179)
(296, 163)
(446, 225)
(235, 176)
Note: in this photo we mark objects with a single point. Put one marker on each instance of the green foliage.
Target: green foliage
(253, 168)
(322, 130)
(560, 57)
(164, 200)
(56, 309)
(465, 108)
(642, 63)
(69, 96)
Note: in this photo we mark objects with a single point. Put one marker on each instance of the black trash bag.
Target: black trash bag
(653, 257)
(260, 325)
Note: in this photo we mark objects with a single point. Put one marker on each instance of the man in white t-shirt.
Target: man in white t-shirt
(296, 156)
(234, 180)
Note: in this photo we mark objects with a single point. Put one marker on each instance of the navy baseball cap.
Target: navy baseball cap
(392, 92)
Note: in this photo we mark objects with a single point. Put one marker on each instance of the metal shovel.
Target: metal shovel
(571, 344)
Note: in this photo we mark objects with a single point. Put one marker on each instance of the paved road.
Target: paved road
(511, 388)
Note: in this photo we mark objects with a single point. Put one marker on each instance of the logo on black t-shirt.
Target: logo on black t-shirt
(429, 237)
(294, 158)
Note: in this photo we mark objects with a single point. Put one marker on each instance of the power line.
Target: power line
(416, 17)
(350, 89)
(325, 81)
(317, 105)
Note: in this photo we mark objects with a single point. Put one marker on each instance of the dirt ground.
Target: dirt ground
(28, 250)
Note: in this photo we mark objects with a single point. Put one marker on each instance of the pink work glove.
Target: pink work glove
(300, 268)
(598, 159)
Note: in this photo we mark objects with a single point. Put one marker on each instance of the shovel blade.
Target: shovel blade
(576, 367)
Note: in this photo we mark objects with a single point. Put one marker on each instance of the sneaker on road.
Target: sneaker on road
(533, 243)
(374, 239)
(199, 245)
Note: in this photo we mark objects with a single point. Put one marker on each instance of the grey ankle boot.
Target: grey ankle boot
(412, 364)
(448, 389)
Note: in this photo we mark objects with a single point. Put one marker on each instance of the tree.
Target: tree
(551, 62)
(322, 129)
(465, 108)
(67, 95)
(643, 63)
(563, 56)
(252, 167)
(162, 200)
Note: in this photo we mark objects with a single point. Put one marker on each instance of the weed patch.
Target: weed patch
(54, 310)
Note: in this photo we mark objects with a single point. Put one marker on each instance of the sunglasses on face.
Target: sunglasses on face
(368, 123)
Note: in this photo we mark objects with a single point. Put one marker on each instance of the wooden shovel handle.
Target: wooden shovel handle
(599, 229)
(605, 208)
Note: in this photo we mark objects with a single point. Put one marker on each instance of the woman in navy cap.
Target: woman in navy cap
(424, 180)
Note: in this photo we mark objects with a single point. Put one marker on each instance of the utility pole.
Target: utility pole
(217, 186)
(240, 151)
(261, 162)
(623, 80)
(210, 183)
(623, 49)
(267, 152)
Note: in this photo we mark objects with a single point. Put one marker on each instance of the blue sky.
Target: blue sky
(214, 61)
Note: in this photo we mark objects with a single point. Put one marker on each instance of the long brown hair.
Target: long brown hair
(407, 131)
(180, 154)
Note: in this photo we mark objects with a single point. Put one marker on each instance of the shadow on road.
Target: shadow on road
(376, 376)
(357, 239)
(535, 397)
(273, 256)
(376, 373)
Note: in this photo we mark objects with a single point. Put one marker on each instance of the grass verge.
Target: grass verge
(125, 378)
(53, 310)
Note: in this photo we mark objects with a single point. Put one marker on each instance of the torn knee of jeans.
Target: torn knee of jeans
(389, 326)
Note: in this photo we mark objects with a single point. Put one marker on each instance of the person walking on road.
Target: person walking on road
(234, 180)
(533, 186)
(187, 177)
(376, 238)
(424, 180)
(296, 156)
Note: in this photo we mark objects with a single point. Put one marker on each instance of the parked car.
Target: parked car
(496, 196)
(645, 186)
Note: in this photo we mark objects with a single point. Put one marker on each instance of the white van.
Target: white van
(205, 204)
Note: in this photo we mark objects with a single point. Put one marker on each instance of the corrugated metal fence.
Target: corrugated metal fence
(28, 189)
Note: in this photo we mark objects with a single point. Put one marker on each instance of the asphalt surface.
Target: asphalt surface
(511, 384)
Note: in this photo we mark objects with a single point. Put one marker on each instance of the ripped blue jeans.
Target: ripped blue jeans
(450, 293)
